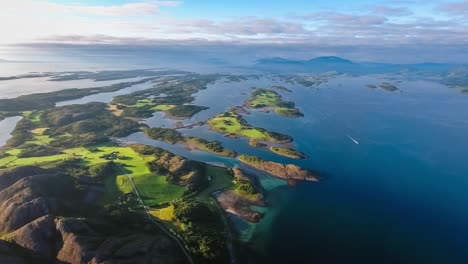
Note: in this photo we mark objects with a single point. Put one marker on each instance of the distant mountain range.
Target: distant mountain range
(332, 63)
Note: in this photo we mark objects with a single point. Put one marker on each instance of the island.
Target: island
(281, 88)
(385, 86)
(270, 100)
(232, 124)
(238, 201)
(287, 152)
(172, 136)
(283, 171)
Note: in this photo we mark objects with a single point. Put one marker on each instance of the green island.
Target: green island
(233, 125)
(287, 152)
(172, 136)
(208, 146)
(268, 99)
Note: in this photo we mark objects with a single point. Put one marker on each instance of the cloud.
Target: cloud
(455, 8)
(130, 9)
(248, 26)
(391, 11)
(143, 23)
(126, 9)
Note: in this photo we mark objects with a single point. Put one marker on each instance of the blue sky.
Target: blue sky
(300, 23)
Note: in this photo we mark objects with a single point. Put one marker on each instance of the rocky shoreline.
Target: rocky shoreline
(283, 171)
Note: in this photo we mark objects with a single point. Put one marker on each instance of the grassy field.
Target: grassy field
(153, 188)
(262, 98)
(219, 179)
(163, 107)
(230, 123)
(165, 214)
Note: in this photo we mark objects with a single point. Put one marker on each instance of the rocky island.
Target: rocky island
(284, 171)
(239, 201)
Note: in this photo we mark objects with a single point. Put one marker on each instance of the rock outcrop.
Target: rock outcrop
(284, 171)
(238, 203)
(37, 225)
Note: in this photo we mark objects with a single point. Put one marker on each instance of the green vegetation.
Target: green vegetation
(219, 179)
(76, 140)
(287, 152)
(168, 135)
(202, 230)
(165, 214)
(209, 146)
(47, 100)
(245, 186)
(163, 107)
(70, 126)
(185, 111)
(250, 159)
(232, 124)
(285, 171)
(263, 98)
(172, 136)
(145, 108)
(112, 75)
(33, 150)
(170, 97)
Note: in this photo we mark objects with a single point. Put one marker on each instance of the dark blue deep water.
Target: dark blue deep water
(399, 196)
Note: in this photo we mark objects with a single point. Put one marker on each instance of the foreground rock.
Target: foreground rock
(284, 171)
(40, 222)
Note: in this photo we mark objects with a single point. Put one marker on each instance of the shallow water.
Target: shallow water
(107, 97)
(6, 127)
(15, 88)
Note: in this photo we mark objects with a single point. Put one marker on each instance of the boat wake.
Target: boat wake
(352, 139)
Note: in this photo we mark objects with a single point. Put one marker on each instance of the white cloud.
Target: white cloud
(143, 22)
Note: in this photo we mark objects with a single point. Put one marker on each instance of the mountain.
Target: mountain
(319, 64)
(333, 63)
(329, 59)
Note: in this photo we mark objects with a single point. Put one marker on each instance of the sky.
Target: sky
(405, 26)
